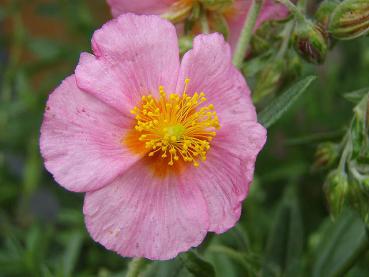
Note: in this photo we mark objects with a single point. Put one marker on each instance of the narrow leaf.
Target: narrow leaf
(285, 242)
(72, 251)
(284, 102)
(342, 243)
(357, 95)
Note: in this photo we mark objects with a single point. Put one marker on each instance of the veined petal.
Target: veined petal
(81, 139)
(209, 67)
(233, 155)
(133, 56)
(141, 215)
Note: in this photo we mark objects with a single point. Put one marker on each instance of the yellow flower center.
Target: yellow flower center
(176, 127)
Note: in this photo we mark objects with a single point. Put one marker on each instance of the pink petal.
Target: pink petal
(141, 215)
(224, 178)
(134, 55)
(139, 6)
(270, 11)
(81, 139)
(209, 67)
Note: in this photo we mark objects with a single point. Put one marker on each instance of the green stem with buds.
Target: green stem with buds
(246, 33)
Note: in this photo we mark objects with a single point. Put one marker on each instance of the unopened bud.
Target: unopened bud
(268, 80)
(294, 65)
(324, 12)
(358, 134)
(326, 154)
(358, 197)
(178, 11)
(336, 189)
(350, 19)
(311, 42)
(263, 38)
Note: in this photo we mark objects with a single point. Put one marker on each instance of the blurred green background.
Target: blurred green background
(285, 229)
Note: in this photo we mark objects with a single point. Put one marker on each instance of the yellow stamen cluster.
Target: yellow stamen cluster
(176, 126)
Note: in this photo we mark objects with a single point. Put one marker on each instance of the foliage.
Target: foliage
(285, 229)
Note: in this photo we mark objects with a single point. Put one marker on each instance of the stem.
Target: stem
(286, 39)
(204, 24)
(135, 267)
(246, 33)
(292, 8)
(346, 152)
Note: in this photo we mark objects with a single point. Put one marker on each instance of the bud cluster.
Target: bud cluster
(349, 182)
(333, 19)
(204, 15)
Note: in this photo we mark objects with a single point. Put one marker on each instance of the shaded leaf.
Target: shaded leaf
(196, 265)
(281, 104)
(285, 242)
(357, 95)
(72, 251)
(340, 245)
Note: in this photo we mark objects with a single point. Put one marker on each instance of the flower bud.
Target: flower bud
(326, 154)
(336, 189)
(178, 11)
(324, 11)
(358, 197)
(358, 135)
(268, 79)
(294, 66)
(350, 19)
(265, 36)
(311, 42)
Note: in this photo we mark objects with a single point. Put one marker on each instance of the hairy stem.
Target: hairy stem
(246, 33)
(293, 9)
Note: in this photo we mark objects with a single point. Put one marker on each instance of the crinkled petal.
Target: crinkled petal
(140, 215)
(139, 6)
(224, 178)
(240, 138)
(81, 139)
(134, 55)
(209, 67)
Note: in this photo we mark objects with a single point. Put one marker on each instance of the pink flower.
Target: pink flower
(235, 14)
(164, 151)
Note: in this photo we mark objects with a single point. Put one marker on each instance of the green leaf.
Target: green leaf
(196, 265)
(284, 102)
(73, 248)
(357, 95)
(248, 261)
(341, 244)
(285, 242)
(170, 268)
